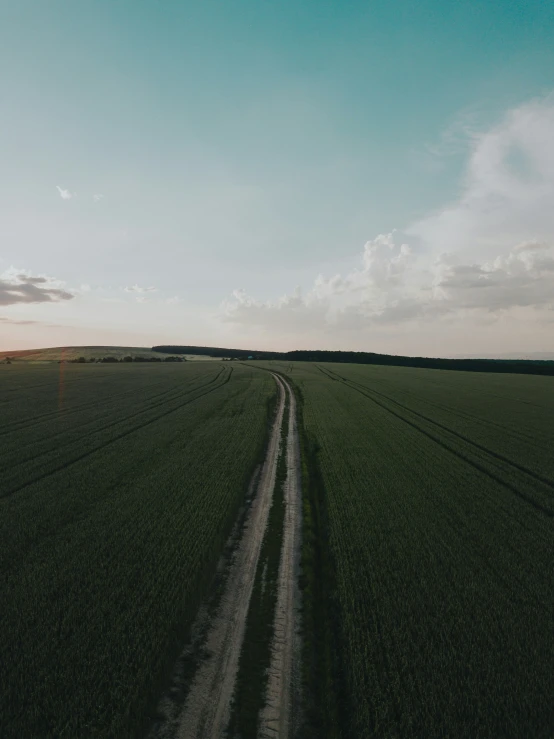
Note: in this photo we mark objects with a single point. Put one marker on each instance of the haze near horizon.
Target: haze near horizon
(368, 177)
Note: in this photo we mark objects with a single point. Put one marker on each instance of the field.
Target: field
(402, 517)
(119, 487)
(435, 493)
(68, 353)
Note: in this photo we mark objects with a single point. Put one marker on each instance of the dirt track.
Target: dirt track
(206, 711)
(280, 716)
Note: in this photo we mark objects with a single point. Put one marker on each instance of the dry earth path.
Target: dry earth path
(206, 711)
(280, 717)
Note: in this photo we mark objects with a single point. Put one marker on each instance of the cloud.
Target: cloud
(16, 322)
(65, 194)
(487, 255)
(389, 288)
(522, 278)
(138, 289)
(17, 286)
(175, 300)
(507, 190)
(98, 196)
(369, 288)
(455, 137)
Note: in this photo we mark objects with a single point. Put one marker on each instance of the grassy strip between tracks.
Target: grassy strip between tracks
(324, 707)
(251, 685)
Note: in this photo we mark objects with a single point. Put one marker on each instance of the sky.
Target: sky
(371, 176)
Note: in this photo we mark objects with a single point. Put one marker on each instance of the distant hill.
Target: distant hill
(54, 354)
(523, 366)
(536, 364)
(530, 356)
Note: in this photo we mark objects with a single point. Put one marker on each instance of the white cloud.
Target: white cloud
(97, 196)
(18, 286)
(523, 277)
(380, 279)
(391, 289)
(174, 300)
(508, 189)
(65, 194)
(16, 322)
(455, 137)
(138, 289)
(488, 254)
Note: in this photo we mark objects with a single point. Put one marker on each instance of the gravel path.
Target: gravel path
(206, 711)
(280, 716)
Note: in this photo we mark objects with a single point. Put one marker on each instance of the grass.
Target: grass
(428, 506)
(432, 503)
(321, 685)
(119, 488)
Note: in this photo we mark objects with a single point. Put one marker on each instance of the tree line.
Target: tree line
(112, 359)
(516, 366)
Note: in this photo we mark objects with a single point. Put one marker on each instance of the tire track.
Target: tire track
(119, 436)
(98, 424)
(280, 717)
(47, 416)
(537, 505)
(207, 708)
(505, 460)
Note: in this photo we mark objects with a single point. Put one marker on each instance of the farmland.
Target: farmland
(89, 353)
(424, 542)
(430, 502)
(119, 487)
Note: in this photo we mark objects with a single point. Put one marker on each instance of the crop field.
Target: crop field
(419, 594)
(435, 498)
(119, 486)
(89, 353)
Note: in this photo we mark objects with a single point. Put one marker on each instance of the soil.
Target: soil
(200, 708)
(281, 715)
(207, 707)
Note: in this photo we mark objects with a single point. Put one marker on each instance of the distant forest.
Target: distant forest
(516, 366)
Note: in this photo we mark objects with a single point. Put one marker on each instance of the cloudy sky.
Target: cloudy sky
(365, 175)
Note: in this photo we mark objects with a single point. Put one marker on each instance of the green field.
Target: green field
(119, 488)
(69, 353)
(426, 559)
(435, 498)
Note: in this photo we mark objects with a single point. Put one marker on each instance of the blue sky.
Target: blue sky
(250, 161)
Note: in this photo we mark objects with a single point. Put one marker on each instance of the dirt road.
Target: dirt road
(280, 716)
(206, 710)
